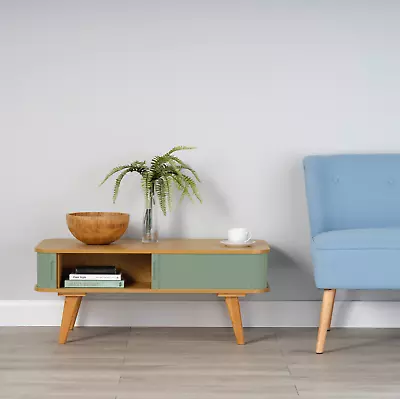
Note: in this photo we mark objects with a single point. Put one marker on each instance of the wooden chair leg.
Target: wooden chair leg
(233, 305)
(75, 315)
(330, 318)
(325, 318)
(70, 308)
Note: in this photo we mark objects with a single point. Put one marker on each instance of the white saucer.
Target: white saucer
(238, 244)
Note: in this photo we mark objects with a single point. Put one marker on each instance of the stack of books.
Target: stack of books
(95, 277)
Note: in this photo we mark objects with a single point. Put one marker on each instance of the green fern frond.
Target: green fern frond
(178, 181)
(157, 161)
(148, 187)
(139, 167)
(113, 171)
(143, 183)
(118, 183)
(168, 191)
(181, 186)
(176, 169)
(184, 165)
(168, 170)
(160, 189)
(179, 148)
(192, 184)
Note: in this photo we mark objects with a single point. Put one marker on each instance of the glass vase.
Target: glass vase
(150, 221)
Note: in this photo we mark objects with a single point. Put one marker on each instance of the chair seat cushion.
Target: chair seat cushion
(388, 238)
(357, 259)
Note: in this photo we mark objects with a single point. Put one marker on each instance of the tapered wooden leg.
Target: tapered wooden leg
(330, 318)
(71, 304)
(233, 305)
(325, 318)
(75, 315)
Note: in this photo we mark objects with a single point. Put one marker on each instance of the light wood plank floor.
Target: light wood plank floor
(175, 363)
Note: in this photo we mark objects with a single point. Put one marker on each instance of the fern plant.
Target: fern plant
(158, 178)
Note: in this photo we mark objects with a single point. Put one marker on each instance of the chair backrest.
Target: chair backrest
(352, 191)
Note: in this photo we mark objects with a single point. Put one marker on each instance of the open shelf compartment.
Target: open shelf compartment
(135, 268)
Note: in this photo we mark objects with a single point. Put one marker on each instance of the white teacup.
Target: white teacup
(239, 235)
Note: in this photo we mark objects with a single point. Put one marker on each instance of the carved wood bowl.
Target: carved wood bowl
(97, 228)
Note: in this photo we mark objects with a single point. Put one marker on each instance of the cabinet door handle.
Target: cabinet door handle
(154, 271)
(52, 267)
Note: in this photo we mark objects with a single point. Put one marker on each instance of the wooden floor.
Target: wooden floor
(168, 363)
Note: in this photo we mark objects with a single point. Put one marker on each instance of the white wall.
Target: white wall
(255, 85)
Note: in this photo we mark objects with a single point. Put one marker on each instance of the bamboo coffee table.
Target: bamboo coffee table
(169, 266)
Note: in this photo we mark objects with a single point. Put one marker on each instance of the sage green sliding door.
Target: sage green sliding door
(189, 271)
(46, 270)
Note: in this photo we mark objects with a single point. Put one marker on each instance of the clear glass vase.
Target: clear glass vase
(150, 221)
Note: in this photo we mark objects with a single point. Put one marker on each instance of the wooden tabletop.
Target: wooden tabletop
(129, 246)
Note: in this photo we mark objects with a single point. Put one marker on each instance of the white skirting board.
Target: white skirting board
(378, 314)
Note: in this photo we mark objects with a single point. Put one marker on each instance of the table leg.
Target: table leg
(71, 307)
(75, 315)
(233, 305)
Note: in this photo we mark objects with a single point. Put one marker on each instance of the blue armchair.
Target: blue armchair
(354, 211)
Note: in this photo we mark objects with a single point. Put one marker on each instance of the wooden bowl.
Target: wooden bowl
(97, 228)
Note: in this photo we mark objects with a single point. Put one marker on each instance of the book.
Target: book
(93, 284)
(103, 277)
(95, 270)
